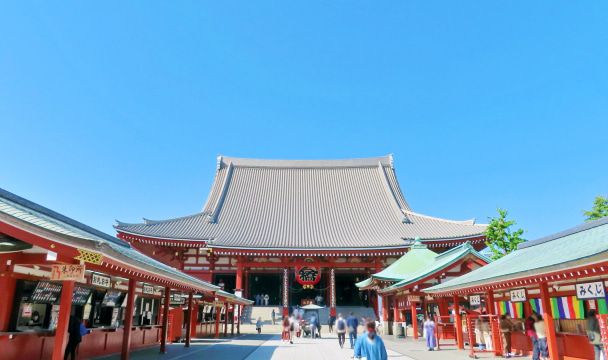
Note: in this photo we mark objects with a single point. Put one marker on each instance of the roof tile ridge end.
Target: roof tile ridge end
(212, 217)
(391, 193)
(469, 222)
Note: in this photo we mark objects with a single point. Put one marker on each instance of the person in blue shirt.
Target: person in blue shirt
(352, 323)
(370, 345)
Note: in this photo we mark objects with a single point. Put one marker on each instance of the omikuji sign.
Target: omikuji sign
(307, 275)
(518, 295)
(591, 290)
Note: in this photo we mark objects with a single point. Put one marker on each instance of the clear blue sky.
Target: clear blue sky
(117, 110)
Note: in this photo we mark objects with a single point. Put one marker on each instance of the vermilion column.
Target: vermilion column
(239, 277)
(165, 328)
(490, 303)
(63, 320)
(189, 321)
(218, 314)
(458, 323)
(238, 320)
(7, 293)
(126, 334)
(384, 308)
(396, 309)
(414, 319)
(548, 318)
(226, 319)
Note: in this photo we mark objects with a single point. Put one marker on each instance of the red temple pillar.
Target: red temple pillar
(414, 316)
(548, 319)
(165, 325)
(458, 323)
(444, 309)
(226, 319)
(239, 277)
(490, 303)
(7, 293)
(63, 320)
(189, 320)
(126, 335)
(238, 320)
(194, 319)
(332, 292)
(218, 314)
(285, 292)
(396, 317)
(232, 319)
(384, 308)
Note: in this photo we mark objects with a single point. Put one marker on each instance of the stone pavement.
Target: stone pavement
(270, 347)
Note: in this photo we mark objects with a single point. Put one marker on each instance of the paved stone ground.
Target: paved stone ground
(270, 347)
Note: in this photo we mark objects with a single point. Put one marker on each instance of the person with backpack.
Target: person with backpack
(76, 330)
(352, 323)
(341, 330)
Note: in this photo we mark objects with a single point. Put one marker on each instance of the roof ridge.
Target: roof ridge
(470, 222)
(571, 231)
(386, 160)
(212, 217)
(148, 222)
(391, 194)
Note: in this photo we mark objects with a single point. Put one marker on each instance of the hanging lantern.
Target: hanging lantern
(308, 276)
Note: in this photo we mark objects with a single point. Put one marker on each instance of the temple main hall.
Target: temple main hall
(298, 231)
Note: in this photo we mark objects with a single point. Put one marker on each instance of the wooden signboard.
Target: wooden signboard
(67, 272)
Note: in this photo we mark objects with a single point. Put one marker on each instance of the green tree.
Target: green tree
(500, 238)
(599, 210)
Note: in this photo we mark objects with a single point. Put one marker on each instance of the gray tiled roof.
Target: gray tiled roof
(74, 233)
(306, 204)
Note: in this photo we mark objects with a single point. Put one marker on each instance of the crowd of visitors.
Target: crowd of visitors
(261, 299)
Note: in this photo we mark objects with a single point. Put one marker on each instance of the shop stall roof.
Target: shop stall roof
(439, 264)
(418, 256)
(584, 245)
(18, 211)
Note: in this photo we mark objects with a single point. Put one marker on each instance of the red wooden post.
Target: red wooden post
(458, 323)
(63, 320)
(126, 335)
(165, 328)
(414, 319)
(239, 276)
(189, 320)
(238, 320)
(395, 309)
(548, 318)
(490, 303)
(218, 314)
(7, 293)
(226, 319)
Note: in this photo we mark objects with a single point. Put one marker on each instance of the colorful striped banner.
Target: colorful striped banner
(515, 309)
(567, 307)
(536, 305)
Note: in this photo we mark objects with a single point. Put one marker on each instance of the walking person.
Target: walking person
(352, 324)
(430, 333)
(593, 334)
(273, 316)
(286, 334)
(266, 299)
(314, 326)
(505, 326)
(371, 345)
(541, 334)
(341, 330)
(258, 325)
(330, 323)
(76, 331)
(292, 328)
(531, 333)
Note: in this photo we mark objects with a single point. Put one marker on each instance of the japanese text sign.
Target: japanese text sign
(67, 272)
(101, 280)
(518, 295)
(591, 290)
(474, 300)
(147, 289)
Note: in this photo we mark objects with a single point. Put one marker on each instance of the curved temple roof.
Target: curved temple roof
(305, 204)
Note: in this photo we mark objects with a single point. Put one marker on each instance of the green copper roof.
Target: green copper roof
(439, 263)
(583, 245)
(417, 257)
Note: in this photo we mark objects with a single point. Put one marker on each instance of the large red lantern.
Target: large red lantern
(308, 276)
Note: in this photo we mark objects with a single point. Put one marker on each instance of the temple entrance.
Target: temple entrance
(265, 283)
(226, 281)
(300, 296)
(347, 294)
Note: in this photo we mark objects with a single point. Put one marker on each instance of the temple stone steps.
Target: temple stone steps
(252, 313)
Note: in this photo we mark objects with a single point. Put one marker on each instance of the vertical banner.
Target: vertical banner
(332, 292)
(285, 288)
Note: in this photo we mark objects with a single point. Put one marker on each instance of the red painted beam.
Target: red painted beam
(63, 320)
(126, 335)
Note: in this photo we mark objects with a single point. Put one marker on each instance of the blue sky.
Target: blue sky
(117, 110)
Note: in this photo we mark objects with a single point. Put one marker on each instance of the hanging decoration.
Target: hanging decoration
(308, 276)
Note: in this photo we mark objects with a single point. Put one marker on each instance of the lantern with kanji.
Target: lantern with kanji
(308, 276)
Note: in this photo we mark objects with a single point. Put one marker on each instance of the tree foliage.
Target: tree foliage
(500, 238)
(599, 210)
